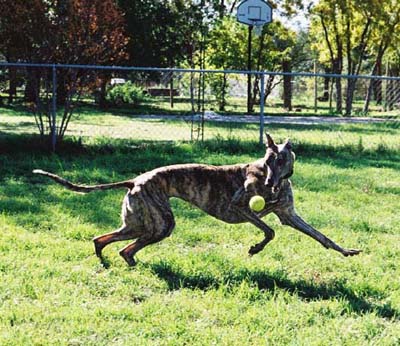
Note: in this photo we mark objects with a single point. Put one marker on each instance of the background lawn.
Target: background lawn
(199, 287)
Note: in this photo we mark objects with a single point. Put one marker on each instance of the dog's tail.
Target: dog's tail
(85, 188)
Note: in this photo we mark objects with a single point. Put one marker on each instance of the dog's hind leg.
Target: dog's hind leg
(129, 251)
(290, 218)
(123, 233)
(156, 233)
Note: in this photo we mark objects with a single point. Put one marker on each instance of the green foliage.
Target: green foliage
(126, 94)
(227, 45)
(220, 88)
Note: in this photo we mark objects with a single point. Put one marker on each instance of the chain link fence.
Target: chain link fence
(92, 103)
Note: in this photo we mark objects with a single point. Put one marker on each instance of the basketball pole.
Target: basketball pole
(249, 105)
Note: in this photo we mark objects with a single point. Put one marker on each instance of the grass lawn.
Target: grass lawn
(199, 287)
(89, 124)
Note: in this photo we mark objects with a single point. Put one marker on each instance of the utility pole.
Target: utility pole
(249, 102)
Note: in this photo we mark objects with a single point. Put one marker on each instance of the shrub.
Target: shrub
(125, 94)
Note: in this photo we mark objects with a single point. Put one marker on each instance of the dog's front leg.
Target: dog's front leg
(237, 207)
(290, 218)
(269, 233)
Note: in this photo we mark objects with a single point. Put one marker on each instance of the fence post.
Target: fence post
(54, 110)
(262, 87)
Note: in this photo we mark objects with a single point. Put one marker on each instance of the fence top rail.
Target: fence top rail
(184, 70)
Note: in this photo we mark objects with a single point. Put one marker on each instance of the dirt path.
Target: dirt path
(299, 120)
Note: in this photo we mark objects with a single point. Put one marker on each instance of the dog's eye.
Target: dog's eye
(280, 162)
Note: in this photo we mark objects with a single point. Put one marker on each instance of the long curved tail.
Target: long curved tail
(85, 188)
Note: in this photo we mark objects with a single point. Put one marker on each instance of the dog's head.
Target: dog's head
(278, 162)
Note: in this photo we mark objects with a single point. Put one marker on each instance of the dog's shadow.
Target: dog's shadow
(272, 281)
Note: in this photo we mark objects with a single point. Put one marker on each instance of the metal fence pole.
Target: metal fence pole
(262, 100)
(54, 110)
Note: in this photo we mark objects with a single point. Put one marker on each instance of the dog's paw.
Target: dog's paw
(254, 249)
(98, 247)
(128, 258)
(351, 252)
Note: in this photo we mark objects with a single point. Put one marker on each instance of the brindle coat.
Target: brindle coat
(221, 191)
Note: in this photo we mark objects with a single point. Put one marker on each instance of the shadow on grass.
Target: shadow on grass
(17, 109)
(20, 127)
(158, 153)
(389, 128)
(146, 108)
(272, 281)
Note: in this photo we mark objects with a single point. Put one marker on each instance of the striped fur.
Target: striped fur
(221, 191)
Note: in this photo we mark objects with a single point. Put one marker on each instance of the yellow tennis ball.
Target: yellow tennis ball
(257, 203)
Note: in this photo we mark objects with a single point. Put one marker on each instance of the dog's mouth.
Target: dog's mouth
(275, 188)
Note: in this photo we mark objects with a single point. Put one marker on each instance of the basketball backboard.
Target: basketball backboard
(254, 12)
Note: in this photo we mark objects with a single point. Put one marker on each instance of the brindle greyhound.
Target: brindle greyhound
(223, 192)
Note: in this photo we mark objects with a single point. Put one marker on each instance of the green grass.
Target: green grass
(199, 287)
(89, 124)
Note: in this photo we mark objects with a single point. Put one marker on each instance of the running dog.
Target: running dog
(221, 191)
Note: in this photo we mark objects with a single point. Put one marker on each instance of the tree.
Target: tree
(226, 50)
(151, 26)
(69, 32)
(22, 26)
(349, 29)
(272, 51)
(385, 35)
(326, 17)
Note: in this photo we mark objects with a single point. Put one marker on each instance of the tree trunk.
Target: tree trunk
(369, 93)
(331, 95)
(351, 87)
(12, 90)
(103, 92)
(192, 102)
(32, 88)
(327, 80)
(62, 91)
(354, 65)
(222, 104)
(371, 89)
(393, 89)
(287, 85)
(339, 107)
(171, 91)
(390, 95)
(337, 69)
(377, 84)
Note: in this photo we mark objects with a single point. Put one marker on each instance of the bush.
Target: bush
(125, 94)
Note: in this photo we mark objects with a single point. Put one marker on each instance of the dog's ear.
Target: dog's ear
(270, 142)
(288, 144)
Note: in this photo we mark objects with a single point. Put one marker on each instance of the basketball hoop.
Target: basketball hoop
(254, 12)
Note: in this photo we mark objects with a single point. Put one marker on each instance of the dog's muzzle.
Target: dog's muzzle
(274, 184)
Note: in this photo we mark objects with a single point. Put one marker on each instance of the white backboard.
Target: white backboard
(254, 12)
